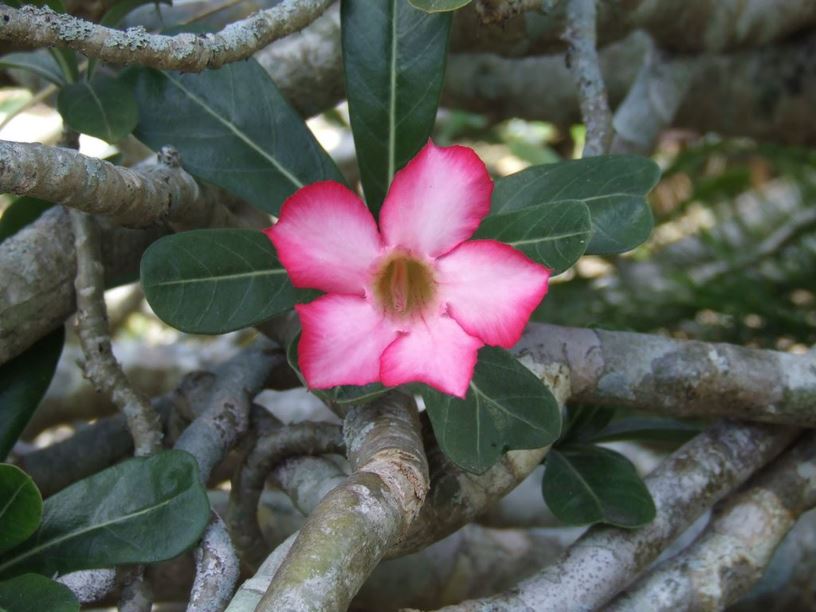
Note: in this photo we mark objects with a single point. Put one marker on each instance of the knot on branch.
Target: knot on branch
(169, 156)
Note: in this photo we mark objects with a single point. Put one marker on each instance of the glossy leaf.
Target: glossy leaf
(215, 281)
(584, 422)
(36, 593)
(342, 395)
(506, 408)
(394, 62)
(23, 383)
(104, 108)
(39, 62)
(554, 235)
(613, 187)
(439, 6)
(143, 510)
(589, 484)
(20, 506)
(233, 128)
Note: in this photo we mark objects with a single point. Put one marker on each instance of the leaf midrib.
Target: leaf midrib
(214, 279)
(80, 532)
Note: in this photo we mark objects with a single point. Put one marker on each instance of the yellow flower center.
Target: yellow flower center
(404, 286)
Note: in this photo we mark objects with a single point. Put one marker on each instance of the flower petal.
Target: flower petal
(436, 201)
(342, 341)
(326, 238)
(491, 289)
(435, 351)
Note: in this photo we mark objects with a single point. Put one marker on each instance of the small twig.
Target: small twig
(250, 477)
(216, 570)
(606, 559)
(354, 525)
(100, 365)
(136, 197)
(733, 551)
(42, 27)
(582, 59)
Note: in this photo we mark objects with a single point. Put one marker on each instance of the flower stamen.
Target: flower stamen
(404, 286)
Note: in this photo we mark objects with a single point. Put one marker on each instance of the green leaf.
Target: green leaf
(394, 62)
(613, 187)
(342, 395)
(646, 430)
(144, 510)
(233, 128)
(39, 62)
(20, 506)
(215, 281)
(589, 484)
(555, 235)
(104, 108)
(35, 593)
(506, 408)
(21, 212)
(23, 383)
(439, 6)
(584, 422)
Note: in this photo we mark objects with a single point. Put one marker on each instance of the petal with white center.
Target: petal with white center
(436, 201)
(491, 289)
(436, 351)
(342, 341)
(326, 239)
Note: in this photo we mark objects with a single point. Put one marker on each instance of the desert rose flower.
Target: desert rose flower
(414, 300)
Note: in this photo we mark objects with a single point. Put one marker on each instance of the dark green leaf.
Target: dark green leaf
(20, 213)
(394, 61)
(35, 593)
(215, 281)
(104, 108)
(583, 422)
(646, 430)
(23, 383)
(555, 235)
(589, 484)
(20, 506)
(233, 128)
(613, 187)
(439, 6)
(143, 510)
(506, 408)
(342, 395)
(120, 9)
(38, 62)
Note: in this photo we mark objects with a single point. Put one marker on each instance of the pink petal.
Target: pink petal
(436, 201)
(326, 238)
(491, 289)
(342, 341)
(435, 351)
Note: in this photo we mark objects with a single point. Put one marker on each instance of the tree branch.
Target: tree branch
(248, 483)
(100, 365)
(350, 530)
(677, 378)
(134, 197)
(41, 27)
(733, 551)
(216, 572)
(605, 559)
(582, 60)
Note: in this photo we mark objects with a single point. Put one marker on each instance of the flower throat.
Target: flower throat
(404, 286)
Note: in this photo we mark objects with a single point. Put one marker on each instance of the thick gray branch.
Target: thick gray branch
(42, 27)
(733, 551)
(133, 197)
(217, 570)
(354, 525)
(606, 559)
(677, 378)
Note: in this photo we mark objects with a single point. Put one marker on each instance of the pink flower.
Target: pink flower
(412, 301)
